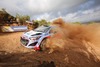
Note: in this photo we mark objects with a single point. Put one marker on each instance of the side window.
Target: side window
(46, 30)
(53, 31)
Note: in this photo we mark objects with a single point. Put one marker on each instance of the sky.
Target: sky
(69, 10)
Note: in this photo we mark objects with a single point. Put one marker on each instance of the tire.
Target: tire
(43, 45)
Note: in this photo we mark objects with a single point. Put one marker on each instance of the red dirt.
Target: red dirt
(12, 54)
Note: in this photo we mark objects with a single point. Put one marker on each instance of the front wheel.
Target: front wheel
(43, 45)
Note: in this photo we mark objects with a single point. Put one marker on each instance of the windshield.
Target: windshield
(42, 29)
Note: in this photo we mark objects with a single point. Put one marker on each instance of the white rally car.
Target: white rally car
(36, 39)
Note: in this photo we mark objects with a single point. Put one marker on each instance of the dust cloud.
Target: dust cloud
(79, 37)
(71, 45)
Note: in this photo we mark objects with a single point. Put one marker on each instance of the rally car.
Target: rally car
(36, 39)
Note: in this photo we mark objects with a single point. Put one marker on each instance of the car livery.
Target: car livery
(35, 38)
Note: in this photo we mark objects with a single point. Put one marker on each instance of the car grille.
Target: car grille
(33, 44)
(24, 41)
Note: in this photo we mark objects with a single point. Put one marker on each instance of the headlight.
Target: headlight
(35, 38)
(32, 38)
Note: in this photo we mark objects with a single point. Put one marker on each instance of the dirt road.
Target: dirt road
(12, 54)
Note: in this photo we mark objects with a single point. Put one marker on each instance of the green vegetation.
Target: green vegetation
(22, 18)
(42, 22)
(7, 19)
(91, 22)
(37, 23)
(77, 22)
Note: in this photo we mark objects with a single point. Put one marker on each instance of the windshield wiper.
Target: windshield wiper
(38, 31)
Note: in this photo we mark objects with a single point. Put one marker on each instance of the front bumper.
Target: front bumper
(24, 41)
(29, 44)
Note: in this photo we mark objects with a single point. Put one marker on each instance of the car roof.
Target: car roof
(50, 26)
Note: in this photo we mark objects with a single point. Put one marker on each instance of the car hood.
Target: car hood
(32, 33)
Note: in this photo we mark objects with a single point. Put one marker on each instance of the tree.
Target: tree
(42, 22)
(35, 24)
(77, 22)
(91, 22)
(48, 23)
(4, 16)
(22, 19)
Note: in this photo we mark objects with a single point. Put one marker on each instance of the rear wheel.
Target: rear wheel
(43, 45)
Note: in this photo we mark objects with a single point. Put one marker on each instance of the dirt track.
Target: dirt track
(12, 54)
